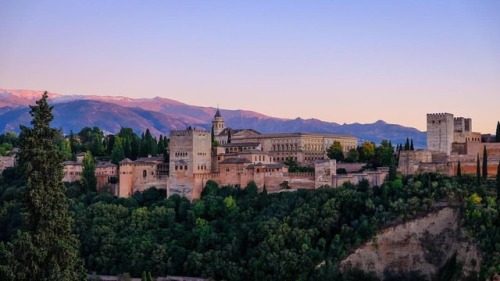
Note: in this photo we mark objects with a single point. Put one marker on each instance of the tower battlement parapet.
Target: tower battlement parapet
(188, 131)
(439, 116)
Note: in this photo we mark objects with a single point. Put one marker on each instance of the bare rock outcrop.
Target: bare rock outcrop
(423, 245)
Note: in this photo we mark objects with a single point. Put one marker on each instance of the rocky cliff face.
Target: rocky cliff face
(423, 245)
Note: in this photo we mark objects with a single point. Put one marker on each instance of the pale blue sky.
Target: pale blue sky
(341, 61)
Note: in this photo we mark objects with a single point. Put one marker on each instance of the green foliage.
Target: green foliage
(44, 247)
(293, 166)
(88, 179)
(118, 153)
(352, 156)
(335, 151)
(478, 171)
(497, 134)
(485, 163)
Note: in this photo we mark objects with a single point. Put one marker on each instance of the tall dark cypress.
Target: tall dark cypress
(485, 163)
(497, 135)
(459, 170)
(45, 248)
(498, 187)
(478, 171)
(411, 145)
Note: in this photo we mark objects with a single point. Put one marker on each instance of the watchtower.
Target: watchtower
(218, 123)
(190, 155)
(440, 127)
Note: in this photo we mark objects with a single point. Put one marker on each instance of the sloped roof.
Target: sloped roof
(235, 161)
(217, 114)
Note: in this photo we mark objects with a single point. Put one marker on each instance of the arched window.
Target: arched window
(144, 173)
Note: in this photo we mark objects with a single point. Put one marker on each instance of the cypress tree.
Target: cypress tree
(485, 163)
(411, 145)
(212, 135)
(118, 154)
(459, 170)
(44, 248)
(498, 187)
(392, 169)
(228, 135)
(497, 135)
(478, 171)
(407, 144)
(88, 179)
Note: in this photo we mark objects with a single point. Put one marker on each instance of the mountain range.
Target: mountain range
(160, 115)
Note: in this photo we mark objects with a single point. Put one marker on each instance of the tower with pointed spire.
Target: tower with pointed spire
(218, 123)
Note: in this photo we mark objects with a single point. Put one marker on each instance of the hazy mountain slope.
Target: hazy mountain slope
(160, 115)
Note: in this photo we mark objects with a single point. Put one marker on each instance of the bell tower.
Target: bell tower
(218, 123)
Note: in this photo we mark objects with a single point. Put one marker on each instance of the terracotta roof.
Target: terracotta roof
(68, 163)
(105, 165)
(252, 151)
(235, 161)
(268, 166)
(241, 144)
(126, 160)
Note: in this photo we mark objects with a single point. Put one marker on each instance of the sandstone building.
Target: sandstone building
(305, 148)
(450, 140)
(106, 173)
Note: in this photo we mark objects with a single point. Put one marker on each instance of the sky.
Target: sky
(338, 61)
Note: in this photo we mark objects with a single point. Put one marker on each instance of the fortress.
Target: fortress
(242, 156)
(450, 140)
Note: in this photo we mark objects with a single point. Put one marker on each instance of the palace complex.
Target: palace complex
(450, 141)
(240, 157)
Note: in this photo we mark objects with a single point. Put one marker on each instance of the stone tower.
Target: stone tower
(440, 127)
(218, 123)
(190, 158)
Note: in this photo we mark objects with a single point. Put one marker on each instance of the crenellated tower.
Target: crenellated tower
(190, 155)
(440, 128)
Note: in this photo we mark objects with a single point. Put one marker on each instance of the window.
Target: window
(144, 173)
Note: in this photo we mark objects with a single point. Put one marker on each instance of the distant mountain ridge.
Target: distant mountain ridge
(160, 115)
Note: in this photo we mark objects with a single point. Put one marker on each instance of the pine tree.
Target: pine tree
(44, 248)
(459, 170)
(497, 135)
(478, 171)
(88, 179)
(485, 163)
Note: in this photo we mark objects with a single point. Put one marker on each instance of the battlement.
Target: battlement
(439, 116)
(187, 132)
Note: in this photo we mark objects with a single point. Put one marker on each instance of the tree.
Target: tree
(485, 163)
(229, 135)
(73, 143)
(459, 170)
(497, 135)
(352, 156)
(407, 144)
(88, 179)
(367, 151)
(392, 170)
(478, 171)
(45, 248)
(411, 145)
(335, 151)
(498, 186)
(118, 153)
